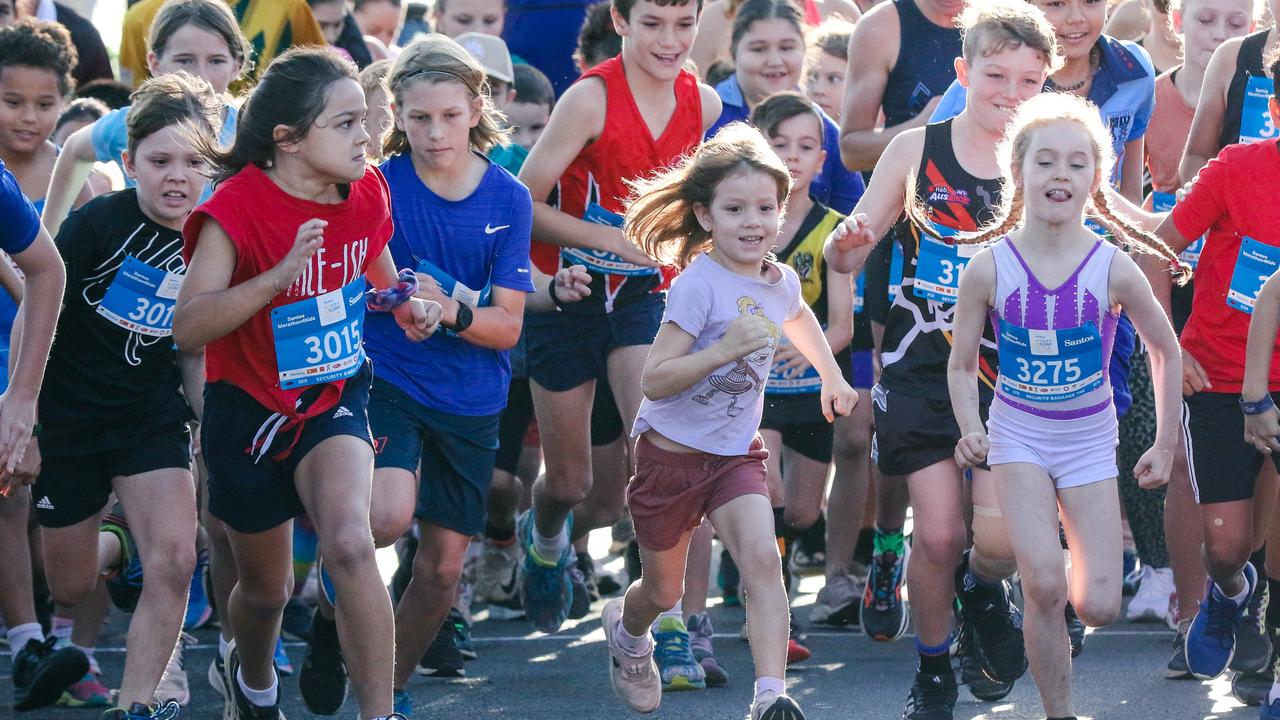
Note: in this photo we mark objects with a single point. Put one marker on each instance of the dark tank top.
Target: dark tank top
(925, 66)
(1248, 64)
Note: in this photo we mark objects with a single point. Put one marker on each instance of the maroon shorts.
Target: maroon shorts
(671, 491)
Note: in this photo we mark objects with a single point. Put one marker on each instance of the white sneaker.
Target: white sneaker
(635, 680)
(1153, 599)
(173, 683)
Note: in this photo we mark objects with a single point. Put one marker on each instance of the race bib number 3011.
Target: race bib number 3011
(141, 298)
(1049, 365)
(1255, 263)
(318, 340)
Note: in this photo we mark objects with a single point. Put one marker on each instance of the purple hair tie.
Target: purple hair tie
(394, 296)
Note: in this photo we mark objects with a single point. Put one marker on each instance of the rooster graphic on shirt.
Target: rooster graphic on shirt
(748, 374)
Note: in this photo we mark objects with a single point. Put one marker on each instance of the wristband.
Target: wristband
(394, 296)
(551, 290)
(1257, 407)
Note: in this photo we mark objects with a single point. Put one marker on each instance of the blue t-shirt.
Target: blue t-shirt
(481, 240)
(545, 34)
(111, 138)
(836, 186)
(21, 224)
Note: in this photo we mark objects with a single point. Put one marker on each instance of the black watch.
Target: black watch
(464, 319)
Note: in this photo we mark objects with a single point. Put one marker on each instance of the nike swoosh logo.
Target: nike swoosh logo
(509, 587)
(489, 229)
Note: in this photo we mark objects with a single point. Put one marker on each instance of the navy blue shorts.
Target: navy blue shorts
(863, 375)
(253, 491)
(566, 349)
(456, 455)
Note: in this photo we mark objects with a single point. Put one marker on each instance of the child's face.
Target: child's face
(743, 217)
(1077, 24)
(378, 118)
(798, 143)
(381, 20)
(335, 144)
(200, 52)
(30, 103)
(824, 83)
(502, 93)
(998, 84)
(769, 58)
(170, 176)
(438, 117)
(1206, 24)
(528, 120)
(1058, 173)
(657, 38)
(464, 16)
(330, 16)
(59, 136)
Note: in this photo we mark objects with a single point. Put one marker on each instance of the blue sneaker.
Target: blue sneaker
(125, 586)
(1270, 711)
(1211, 640)
(546, 590)
(199, 612)
(676, 664)
(137, 711)
(326, 584)
(284, 665)
(402, 703)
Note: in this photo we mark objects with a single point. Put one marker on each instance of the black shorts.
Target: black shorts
(514, 425)
(814, 440)
(455, 454)
(1224, 468)
(913, 433)
(566, 349)
(606, 421)
(254, 491)
(73, 488)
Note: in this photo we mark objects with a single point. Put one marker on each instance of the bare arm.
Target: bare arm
(977, 286)
(10, 282)
(1128, 21)
(671, 369)
(1261, 429)
(191, 364)
(1131, 171)
(879, 207)
(837, 397)
(1206, 125)
(496, 326)
(572, 284)
(839, 309)
(67, 183)
(712, 39)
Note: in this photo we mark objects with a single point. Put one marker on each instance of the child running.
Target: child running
(1052, 435)
(275, 288)
(698, 453)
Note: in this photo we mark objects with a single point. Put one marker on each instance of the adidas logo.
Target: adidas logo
(44, 503)
(342, 412)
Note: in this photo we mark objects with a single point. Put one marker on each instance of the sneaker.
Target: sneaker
(971, 675)
(125, 585)
(996, 627)
(839, 603)
(583, 575)
(677, 666)
(634, 680)
(297, 620)
(1177, 668)
(1134, 572)
(1253, 645)
(243, 709)
(1076, 630)
(322, 678)
(173, 683)
(406, 549)
(776, 707)
(884, 612)
(218, 677)
(1151, 601)
(1251, 688)
(402, 702)
(933, 697)
(729, 580)
(41, 673)
(796, 651)
(700, 641)
(546, 588)
(284, 665)
(461, 628)
(1270, 711)
(496, 569)
(620, 534)
(138, 711)
(199, 611)
(1211, 639)
(86, 692)
(504, 595)
(442, 658)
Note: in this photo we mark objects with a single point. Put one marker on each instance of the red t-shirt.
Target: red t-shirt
(262, 221)
(1234, 196)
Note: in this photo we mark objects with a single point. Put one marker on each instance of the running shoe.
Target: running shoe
(402, 703)
(125, 585)
(701, 635)
(677, 666)
(138, 711)
(1177, 668)
(173, 683)
(1151, 601)
(1076, 630)
(443, 658)
(42, 673)
(322, 678)
(1211, 640)
(297, 620)
(839, 603)
(933, 697)
(776, 707)
(1271, 711)
(995, 624)
(87, 692)
(1133, 573)
(884, 613)
(461, 628)
(406, 549)
(218, 677)
(728, 579)
(620, 534)
(245, 710)
(584, 586)
(546, 588)
(980, 686)
(796, 651)
(635, 680)
(1253, 645)
(284, 665)
(1251, 688)
(199, 611)
(496, 569)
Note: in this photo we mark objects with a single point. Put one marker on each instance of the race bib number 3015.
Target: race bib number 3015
(318, 340)
(141, 298)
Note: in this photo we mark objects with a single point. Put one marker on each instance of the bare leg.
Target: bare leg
(743, 524)
(850, 486)
(437, 566)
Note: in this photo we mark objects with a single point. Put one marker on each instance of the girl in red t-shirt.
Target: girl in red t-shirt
(275, 291)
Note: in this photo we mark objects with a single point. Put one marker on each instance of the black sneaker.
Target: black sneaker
(1253, 643)
(1076, 631)
(885, 615)
(443, 658)
(322, 677)
(1177, 668)
(980, 686)
(933, 697)
(41, 674)
(408, 548)
(244, 709)
(996, 625)
(297, 620)
(583, 577)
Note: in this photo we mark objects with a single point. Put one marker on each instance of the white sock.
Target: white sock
(676, 612)
(1274, 694)
(632, 645)
(61, 629)
(222, 646)
(260, 698)
(20, 635)
(1237, 599)
(769, 686)
(550, 549)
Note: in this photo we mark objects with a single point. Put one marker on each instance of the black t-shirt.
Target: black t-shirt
(102, 378)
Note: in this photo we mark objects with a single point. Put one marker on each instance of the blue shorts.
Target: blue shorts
(254, 491)
(455, 453)
(566, 349)
(863, 372)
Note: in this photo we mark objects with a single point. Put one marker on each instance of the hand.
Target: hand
(572, 284)
(1181, 192)
(309, 240)
(838, 398)
(972, 449)
(430, 291)
(1261, 430)
(17, 418)
(854, 232)
(418, 318)
(793, 361)
(1194, 378)
(625, 249)
(1153, 468)
(746, 334)
(29, 468)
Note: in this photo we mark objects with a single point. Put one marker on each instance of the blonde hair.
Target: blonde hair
(994, 26)
(437, 58)
(660, 218)
(1034, 114)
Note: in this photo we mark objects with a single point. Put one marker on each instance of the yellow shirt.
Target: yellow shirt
(272, 27)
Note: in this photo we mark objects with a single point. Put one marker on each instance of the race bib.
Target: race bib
(1255, 263)
(603, 261)
(141, 298)
(454, 289)
(1255, 117)
(1049, 365)
(1164, 202)
(318, 340)
(808, 381)
(940, 264)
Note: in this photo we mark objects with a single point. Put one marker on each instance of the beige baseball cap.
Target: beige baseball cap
(492, 53)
